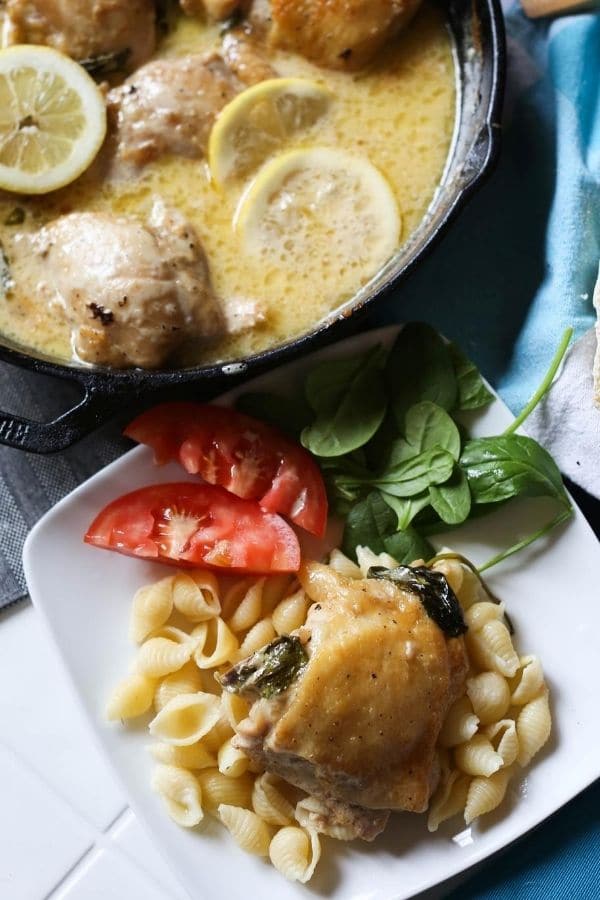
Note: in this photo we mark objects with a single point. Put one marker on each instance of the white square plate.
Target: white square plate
(551, 593)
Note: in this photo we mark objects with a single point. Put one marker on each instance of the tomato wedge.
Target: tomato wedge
(243, 455)
(188, 524)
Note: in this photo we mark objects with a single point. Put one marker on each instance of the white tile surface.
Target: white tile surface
(42, 838)
(42, 722)
(135, 843)
(66, 830)
(107, 875)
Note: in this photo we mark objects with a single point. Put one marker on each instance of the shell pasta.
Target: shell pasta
(193, 626)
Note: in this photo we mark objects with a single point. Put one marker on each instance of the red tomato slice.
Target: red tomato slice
(249, 458)
(196, 525)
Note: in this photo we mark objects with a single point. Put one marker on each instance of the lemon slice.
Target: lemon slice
(325, 215)
(52, 119)
(260, 121)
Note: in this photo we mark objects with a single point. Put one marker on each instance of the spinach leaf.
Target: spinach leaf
(406, 508)
(498, 468)
(428, 426)
(412, 476)
(432, 589)
(419, 367)
(452, 500)
(472, 392)
(291, 414)
(379, 447)
(348, 396)
(408, 546)
(371, 523)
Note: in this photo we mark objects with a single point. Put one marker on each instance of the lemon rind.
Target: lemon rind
(85, 149)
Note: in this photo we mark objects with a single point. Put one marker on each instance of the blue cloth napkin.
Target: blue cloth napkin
(520, 265)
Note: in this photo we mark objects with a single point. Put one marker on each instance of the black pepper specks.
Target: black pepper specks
(106, 316)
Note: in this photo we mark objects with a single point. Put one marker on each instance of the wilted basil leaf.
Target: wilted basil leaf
(269, 671)
(434, 592)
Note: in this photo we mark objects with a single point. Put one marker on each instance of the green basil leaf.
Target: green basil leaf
(371, 523)
(419, 367)
(348, 396)
(472, 392)
(291, 414)
(406, 508)
(428, 426)
(439, 600)
(411, 477)
(452, 500)
(499, 468)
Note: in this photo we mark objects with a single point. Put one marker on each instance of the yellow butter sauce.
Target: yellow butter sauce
(399, 114)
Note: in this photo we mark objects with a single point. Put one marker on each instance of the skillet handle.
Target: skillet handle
(62, 432)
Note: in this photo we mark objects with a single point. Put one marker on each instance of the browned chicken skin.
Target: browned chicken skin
(359, 726)
(131, 292)
(214, 9)
(84, 29)
(337, 34)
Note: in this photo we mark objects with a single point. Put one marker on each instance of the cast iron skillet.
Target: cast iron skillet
(478, 32)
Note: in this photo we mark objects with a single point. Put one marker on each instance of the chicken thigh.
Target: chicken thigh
(169, 105)
(214, 9)
(358, 724)
(337, 34)
(85, 29)
(131, 292)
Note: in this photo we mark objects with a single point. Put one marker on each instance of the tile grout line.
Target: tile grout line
(58, 793)
(70, 873)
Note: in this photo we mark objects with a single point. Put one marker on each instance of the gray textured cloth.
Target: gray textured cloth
(30, 484)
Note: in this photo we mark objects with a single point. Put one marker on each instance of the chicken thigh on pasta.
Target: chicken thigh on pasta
(357, 726)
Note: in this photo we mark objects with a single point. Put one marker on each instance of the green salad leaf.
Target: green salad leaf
(428, 426)
(414, 475)
(452, 500)
(372, 523)
(406, 508)
(472, 392)
(398, 462)
(419, 368)
(498, 468)
(350, 402)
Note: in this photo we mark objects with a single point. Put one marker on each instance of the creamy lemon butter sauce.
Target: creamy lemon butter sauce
(399, 114)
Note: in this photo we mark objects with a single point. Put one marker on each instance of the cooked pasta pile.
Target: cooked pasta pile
(192, 625)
